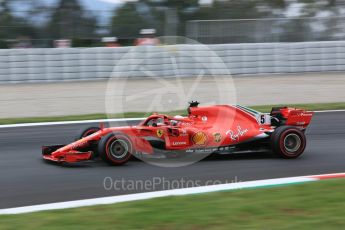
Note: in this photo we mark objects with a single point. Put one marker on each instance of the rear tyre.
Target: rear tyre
(115, 148)
(288, 142)
(87, 132)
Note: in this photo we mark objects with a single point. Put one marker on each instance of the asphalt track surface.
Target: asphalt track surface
(25, 179)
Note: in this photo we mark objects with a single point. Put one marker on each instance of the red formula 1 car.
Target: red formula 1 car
(210, 129)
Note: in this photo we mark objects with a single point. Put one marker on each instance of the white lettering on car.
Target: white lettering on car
(175, 143)
(235, 135)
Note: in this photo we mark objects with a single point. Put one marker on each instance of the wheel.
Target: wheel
(288, 142)
(115, 148)
(87, 132)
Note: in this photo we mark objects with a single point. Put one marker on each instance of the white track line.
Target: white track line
(330, 111)
(101, 120)
(156, 194)
(68, 122)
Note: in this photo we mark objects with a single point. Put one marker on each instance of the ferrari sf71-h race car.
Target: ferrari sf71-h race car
(210, 129)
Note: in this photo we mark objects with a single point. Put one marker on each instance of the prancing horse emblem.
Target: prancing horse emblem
(160, 133)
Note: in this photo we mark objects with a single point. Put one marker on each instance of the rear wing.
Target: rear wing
(292, 116)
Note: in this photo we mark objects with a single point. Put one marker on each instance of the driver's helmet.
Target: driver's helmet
(160, 121)
(173, 122)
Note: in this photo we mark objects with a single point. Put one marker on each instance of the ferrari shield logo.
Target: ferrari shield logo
(160, 133)
(217, 137)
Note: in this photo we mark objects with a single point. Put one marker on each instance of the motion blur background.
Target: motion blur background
(52, 42)
(37, 23)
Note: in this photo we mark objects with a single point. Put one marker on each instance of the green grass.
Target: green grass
(261, 108)
(314, 205)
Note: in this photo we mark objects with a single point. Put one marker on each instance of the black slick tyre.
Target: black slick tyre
(288, 142)
(115, 148)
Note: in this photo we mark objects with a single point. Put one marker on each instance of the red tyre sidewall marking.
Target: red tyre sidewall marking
(129, 149)
(282, 144)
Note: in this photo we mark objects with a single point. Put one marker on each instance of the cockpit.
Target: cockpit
(162, 120)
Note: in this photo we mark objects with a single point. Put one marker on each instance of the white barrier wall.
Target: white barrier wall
(24, 65)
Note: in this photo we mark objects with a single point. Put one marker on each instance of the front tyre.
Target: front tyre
(86, 132)
(288, 142)
(115, 148)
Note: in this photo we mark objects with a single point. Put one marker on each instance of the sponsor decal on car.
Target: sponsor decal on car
(199, 138)
(186, 124)
(177, 143)
(204, 119)
(211, 150)
(160, 132)
(217, 137)
(305, 114)
(79, 144)
(235, 135)
(300, 123)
